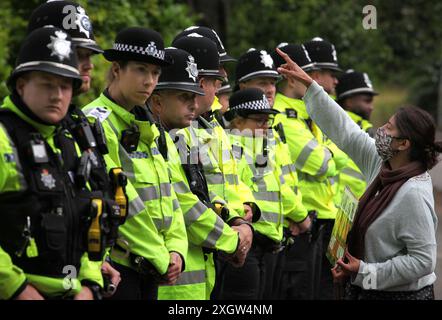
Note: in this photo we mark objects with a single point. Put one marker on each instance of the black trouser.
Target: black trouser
(134, 286)
(297, 281)
(324, 278)
(253, 281)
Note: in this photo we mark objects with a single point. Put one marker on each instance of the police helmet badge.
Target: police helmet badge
(151, 49)
(83, 22)
(195, 35)
(334, 55)
(192, 68)
(367, 80)
(60, 46)
(266, 59)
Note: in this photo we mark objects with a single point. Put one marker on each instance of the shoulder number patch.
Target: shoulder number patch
(99, 113)
(291, 113)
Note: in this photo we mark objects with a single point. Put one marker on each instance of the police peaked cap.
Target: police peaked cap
(351, 83)
(205, 53)
(253, 64)
(296, 52)
(210, 34)
(181, 75)
(68, 16)
(248, 101)
(323, 54)
(138, 44)
(50, 50)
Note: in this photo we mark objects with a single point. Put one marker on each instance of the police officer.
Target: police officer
(212, 115)
(195, 31)
(74, 20)
(355, 95)
(250, 117)
(54, 189)
(210, 141)
(325, 61)
(255, 69)
(223, 95)
(173, 103)
(153, 243)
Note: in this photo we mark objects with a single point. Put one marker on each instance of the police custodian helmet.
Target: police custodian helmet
(323, 54)
(297, 52)
(210, 34)
(47, 49)
(352, 82)
(68, 16)
(253, 64)
(181, 75)
(205, 53)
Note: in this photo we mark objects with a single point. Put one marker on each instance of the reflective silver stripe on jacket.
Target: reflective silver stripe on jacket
(353, 173)
(194, 213)
(214, 234)
(214, 178)
(305, 152)
(273, 196)
(162, 223)
(270, 216)
(324, 167)
(191, 277)
(181, 187)
(135, 207)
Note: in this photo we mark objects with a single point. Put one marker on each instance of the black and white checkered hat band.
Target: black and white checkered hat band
(147, 51)
(262, 104)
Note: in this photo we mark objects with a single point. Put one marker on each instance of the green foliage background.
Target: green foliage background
(108, 17)
(403, 55)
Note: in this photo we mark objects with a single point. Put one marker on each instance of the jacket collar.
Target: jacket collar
(45, 129)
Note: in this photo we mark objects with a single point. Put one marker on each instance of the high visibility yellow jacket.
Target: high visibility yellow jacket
(210, 142)
(351, 175)
(205, 229)
(289, 175)
(272, 194)
(155, 225)
(13, 278)
(313, 159)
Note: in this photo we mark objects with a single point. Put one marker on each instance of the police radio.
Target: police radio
(261, 159)
(280, 129)
(100, 138)
(80, 128)
(130, 138)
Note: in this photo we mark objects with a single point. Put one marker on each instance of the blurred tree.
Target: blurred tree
(108, 17)
(404, 50)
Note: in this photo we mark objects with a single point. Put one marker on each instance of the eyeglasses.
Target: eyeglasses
(261, 121)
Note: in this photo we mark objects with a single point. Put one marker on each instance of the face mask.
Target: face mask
(383, 144)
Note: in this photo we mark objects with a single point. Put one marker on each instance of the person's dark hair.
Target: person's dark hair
(418, 126)
(110, 76)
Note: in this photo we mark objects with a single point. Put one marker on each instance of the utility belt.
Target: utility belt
(141, 265)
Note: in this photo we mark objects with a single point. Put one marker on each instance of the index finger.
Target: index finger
(284, 55)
